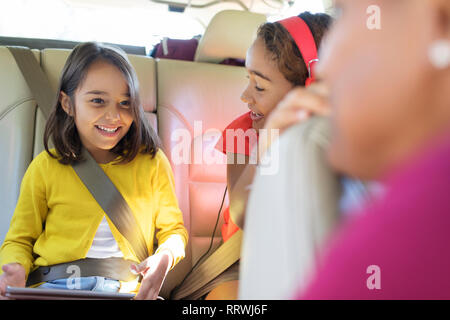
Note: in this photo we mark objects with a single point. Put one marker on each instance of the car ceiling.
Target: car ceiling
(202, 10)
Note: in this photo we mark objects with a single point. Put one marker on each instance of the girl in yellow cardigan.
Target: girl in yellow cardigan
(57, 220)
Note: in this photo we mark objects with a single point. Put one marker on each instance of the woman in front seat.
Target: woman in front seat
(391, 122)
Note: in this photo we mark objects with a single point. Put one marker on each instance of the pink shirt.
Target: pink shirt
(399, 248)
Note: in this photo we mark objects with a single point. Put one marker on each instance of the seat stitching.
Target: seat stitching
(14, 106)
(177, 115)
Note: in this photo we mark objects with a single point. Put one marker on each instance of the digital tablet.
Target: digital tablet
(58, 294)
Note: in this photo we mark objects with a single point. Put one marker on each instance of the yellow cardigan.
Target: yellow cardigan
(56, 217)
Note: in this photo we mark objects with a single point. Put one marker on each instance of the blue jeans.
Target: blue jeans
(99, 284)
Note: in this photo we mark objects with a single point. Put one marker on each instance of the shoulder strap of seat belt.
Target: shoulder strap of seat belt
(220, 260)
(112, 202)
(90, 173)
(35, 78)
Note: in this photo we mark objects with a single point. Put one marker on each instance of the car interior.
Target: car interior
(175, 94)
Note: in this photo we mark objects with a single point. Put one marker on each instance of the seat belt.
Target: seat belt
(35, 78)
(118, 210)
(112, 202)
(216, 263)
(90, 173)
(113, 268)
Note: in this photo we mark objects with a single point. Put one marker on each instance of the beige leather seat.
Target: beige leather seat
(296, 201)
(17, 123)
(293, 206)
(229, 34)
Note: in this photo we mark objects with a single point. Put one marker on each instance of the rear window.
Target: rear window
(142, 23)
(88, 21)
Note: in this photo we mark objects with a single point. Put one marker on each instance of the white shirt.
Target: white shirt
(104, 244)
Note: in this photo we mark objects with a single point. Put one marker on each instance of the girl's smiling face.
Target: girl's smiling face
(102, 110)
(267, 85)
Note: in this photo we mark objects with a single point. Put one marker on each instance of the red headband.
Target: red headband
(304, 40)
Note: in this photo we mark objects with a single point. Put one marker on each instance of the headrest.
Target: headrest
(229, 35)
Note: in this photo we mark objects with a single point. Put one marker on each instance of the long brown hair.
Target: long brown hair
(282, 48)
(60, 127)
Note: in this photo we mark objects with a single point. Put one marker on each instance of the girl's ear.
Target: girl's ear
(66, 104)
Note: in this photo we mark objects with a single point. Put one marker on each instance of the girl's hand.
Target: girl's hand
(14, 276)
(154, 270)
(296, 107)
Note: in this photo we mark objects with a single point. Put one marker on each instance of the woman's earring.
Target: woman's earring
(439, 54)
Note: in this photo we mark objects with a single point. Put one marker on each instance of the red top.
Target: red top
(241, 130)
(250, 136)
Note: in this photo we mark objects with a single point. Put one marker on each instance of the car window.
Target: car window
(128, 22)
(88, 21)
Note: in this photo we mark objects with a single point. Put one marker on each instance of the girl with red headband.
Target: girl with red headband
(282, 57)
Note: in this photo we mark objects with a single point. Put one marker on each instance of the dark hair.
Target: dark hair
(60, 127)
(280, 44)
